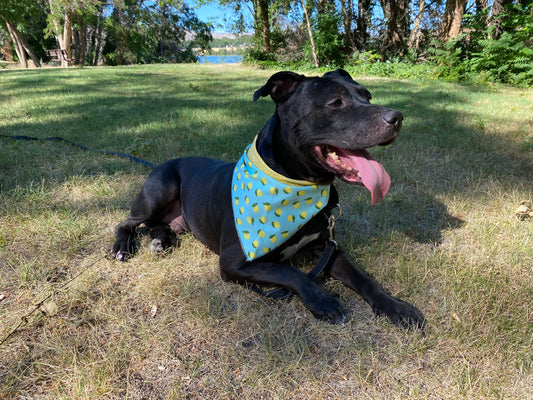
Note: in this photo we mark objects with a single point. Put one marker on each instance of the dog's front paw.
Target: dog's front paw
(399, 312)
(326, 307)
(123, 251)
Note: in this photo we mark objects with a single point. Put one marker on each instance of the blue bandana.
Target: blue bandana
(268, 207)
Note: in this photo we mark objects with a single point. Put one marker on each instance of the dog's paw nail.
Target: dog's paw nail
(120, 256)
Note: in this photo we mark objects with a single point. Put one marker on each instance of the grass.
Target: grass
(444, 239)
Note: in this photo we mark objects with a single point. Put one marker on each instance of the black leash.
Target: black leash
(60, 139)
(331, 246)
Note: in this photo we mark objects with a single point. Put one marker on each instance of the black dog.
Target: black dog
(320, 130)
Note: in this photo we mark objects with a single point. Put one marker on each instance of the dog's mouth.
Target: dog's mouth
(356, 167)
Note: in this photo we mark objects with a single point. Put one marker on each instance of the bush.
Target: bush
(480, 55)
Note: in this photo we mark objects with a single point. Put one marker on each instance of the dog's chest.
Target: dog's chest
(291, 250)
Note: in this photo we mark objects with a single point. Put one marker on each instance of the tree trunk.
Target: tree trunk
(310, 32)
(395, 12)
(82, 39)
(67, 36)
(363, 18)
(21, 46)
(62, 32)
(263, 8)
(414, 36)
(347, 13)
(497, 8)
(453, 18)
(98, 37)
(18, 48)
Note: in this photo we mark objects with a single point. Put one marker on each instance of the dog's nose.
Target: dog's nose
(393, 117)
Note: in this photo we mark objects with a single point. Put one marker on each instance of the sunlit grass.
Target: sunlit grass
(445, 239)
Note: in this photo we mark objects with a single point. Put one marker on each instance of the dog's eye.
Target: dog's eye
(337, 103)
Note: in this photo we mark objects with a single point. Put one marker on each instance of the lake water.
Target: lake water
(220, 59)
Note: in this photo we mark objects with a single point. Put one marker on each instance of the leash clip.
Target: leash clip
(331, 225)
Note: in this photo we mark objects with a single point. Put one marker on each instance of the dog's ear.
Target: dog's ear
(340, 73)
(280, 86)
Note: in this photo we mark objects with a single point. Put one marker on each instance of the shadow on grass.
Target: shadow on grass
(161, 113)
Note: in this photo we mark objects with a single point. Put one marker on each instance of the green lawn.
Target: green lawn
(166, 327)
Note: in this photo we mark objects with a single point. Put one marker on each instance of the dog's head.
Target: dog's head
(327, 123)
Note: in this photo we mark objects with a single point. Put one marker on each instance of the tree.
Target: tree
(453, 17)
(397, 22)
(67, 23)
(414, 36)
(498, 7)
(148, 31)
(14, 13)
(310, 33)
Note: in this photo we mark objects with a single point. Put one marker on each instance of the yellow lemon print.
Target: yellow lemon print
(276, 224)
(278, 212)
(296, 205)
(263, 220)
(273, 238)
(285, 202)
(238, 221)
(291, 218)
(273, 190)
(263, 181)
(287, 190)
(246, 235)
(303, 215)
(261, 233)
(267, 206)
(258, 193)
(300, 192)
(255, 244)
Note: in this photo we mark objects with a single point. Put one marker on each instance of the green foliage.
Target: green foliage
(328, 40)
(481, 55)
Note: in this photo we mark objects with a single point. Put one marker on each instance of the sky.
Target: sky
(213, 13)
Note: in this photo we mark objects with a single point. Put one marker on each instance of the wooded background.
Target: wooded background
(461, 37)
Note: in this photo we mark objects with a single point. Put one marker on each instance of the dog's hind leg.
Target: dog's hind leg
(158, 199)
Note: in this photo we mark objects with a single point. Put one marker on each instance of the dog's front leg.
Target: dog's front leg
(398, 311)
(322, 304)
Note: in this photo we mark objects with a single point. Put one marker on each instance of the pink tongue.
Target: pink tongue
(372, 173)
